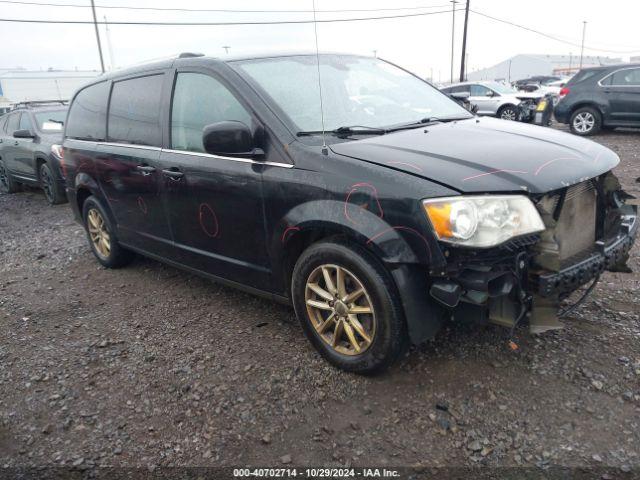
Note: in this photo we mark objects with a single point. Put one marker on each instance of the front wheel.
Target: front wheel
(53, 192)
(585, 121)
(348, 307)
(7, 183)
(508, 112)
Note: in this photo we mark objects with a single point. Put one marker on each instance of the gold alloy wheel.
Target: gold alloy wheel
(98, 232)
(340, 309)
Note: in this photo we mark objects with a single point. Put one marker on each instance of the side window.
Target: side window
(479, 91)
(461, 89)
(25, 122)
(134, 111)
(13, 123)
(200, 100)
(629, 77)
(88, 113)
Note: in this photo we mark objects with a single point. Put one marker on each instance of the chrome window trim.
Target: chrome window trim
(183, 152)
(614, 72)
(233, 159)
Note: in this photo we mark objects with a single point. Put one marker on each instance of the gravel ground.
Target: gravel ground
(149, 367)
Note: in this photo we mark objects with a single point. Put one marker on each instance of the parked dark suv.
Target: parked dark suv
(414, 212)
(30, 148)
(602, 97)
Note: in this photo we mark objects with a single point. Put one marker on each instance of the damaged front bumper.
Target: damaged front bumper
(589, 229)
(605, 257)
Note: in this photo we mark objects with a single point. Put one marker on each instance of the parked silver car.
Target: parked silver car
(493, 98)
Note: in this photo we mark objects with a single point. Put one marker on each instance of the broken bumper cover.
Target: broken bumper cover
(603, 258)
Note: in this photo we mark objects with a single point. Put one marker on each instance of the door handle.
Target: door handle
(173, 173)
(145, 169)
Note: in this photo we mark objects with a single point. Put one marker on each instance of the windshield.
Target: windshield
(51, 120)
(367, 92)
(501, 88)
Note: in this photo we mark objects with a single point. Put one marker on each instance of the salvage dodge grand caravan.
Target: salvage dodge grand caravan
(409, 211)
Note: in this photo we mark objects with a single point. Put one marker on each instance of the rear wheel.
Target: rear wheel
(7, 183)
(585, 121)
(50, 185)
(101, 235)
(348, 307)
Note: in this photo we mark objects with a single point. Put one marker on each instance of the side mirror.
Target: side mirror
(230, 138)
(23, 134)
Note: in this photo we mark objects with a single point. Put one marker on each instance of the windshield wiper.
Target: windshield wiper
(422, 122)
(343, 131)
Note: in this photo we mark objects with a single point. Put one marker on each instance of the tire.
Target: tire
(53, 192)
(97, 224)
(585, 121)
(508, 112)
(7, 183)
(385, 327)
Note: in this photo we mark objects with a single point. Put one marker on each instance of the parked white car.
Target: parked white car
(494, 98)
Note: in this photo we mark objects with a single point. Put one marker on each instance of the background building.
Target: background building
(524, 66)
(25, 85)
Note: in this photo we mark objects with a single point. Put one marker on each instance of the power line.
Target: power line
(552, 37)
(169, 9)
(280, 22)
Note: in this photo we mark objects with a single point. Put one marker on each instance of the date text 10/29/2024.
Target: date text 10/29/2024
(316, 472)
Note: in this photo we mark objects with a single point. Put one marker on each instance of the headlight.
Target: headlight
(57, 151)
(482, 220)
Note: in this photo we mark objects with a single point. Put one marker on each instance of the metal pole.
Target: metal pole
(509, 75)
(109, 44)
(226, 49)
(95, 24)
(570, 60)
(453, 34)
(464, 43)
(584, 28)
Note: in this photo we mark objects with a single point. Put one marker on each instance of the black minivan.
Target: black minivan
(379, 213)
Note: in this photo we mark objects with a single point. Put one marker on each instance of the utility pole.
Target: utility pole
(584, 29)
(570, 60)
(95, 24)
(226, 49)
(109, 44)
(464, 42)
(453, 34)
(509, 75)
(375, 53)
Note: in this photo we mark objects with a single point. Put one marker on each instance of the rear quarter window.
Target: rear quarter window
(88, 113)
(583, 75)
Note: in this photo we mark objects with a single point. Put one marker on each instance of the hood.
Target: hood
(487, 155)
(50, 137)
(538, 94)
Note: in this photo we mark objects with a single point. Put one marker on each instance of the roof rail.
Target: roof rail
(38, 103)
(190, 55)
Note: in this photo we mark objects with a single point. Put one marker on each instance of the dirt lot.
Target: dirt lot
(149, 366)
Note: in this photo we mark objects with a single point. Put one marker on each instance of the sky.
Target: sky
(421, 44)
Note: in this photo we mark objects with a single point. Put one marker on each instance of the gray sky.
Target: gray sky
(419, 43)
